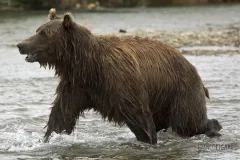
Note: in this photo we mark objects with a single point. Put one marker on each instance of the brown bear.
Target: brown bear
(143, 83)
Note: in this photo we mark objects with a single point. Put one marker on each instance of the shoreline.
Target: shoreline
(5, 8)
(224, 40)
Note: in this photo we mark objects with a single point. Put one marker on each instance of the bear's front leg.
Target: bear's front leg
(56, 122)
(68, 105)
(62, 117)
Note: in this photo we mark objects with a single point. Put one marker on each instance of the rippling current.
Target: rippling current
(27, 91)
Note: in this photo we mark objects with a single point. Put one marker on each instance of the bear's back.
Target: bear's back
(156, 61)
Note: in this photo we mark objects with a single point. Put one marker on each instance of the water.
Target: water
(210, 48)
(27, 91)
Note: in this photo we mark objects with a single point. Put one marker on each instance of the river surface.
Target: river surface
(27, 91)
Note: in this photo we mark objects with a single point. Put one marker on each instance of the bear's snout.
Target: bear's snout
(20, 47)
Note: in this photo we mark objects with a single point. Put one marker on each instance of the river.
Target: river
(27, 91)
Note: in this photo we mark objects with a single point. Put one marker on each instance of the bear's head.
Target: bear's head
(54, 41)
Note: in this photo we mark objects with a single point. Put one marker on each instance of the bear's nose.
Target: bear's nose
(20, 45)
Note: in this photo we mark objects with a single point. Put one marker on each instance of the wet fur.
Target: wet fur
(143, 83)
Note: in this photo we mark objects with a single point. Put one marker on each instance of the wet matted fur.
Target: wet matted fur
(143, 83)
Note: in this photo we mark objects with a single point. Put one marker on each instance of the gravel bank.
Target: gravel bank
(218, 40)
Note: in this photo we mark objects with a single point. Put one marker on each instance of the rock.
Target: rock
(122, 31)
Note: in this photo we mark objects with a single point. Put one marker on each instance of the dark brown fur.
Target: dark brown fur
(141, 82)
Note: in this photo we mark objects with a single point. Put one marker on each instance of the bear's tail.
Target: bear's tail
(206, 92)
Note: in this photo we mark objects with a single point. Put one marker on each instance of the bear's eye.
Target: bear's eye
(42, 32)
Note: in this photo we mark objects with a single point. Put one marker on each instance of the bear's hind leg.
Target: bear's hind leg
(213, 126)
(189, 115)
(143, 127)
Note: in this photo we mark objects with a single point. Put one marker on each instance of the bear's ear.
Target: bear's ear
(67, 20)
(52, 13)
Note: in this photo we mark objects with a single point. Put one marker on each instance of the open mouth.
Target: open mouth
(31, 58)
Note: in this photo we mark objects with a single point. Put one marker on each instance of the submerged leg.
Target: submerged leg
(189, 116)
(213, 126)
(143, 127)
(58, 122)
(68, 105)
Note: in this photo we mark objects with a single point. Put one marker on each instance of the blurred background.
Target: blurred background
(77, 4)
